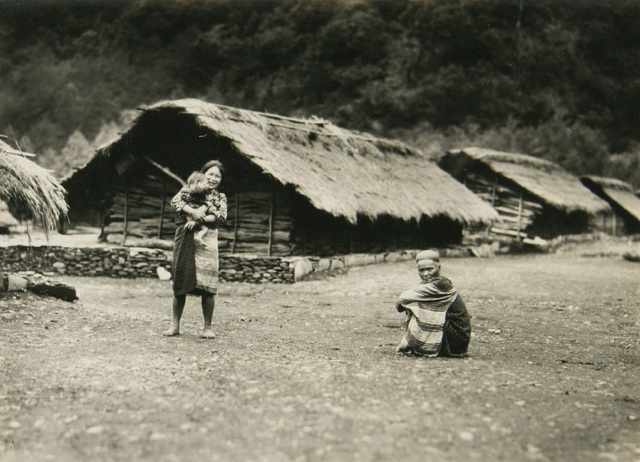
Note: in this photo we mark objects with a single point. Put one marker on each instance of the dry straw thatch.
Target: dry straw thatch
(542, 178)
(30, 191)
(615, 190)
(342, 172)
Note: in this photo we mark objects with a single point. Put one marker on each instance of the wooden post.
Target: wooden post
(161, 209)
(236, 213)
(102, 216)
(614, 224)
(271, 213)
(493, 192)
(304, 245)
(519, 214)
(126, 212)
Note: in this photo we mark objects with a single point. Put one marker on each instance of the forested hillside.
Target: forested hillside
(556, 79)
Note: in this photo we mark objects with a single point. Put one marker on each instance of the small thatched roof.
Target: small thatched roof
(342, 172)
(615, 190)
(541, 178)
(30, 191)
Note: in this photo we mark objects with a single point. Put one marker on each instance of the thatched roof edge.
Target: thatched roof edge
(345, 173)
(541, 178)
(608, 182)
(615, 190)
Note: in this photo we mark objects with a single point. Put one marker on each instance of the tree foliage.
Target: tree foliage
(555, 79)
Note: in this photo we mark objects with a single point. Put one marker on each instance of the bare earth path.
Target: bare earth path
(307, 372)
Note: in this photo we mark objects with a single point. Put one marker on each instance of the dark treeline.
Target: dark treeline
(557, 79)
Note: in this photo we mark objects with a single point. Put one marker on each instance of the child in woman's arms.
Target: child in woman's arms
(195, 194)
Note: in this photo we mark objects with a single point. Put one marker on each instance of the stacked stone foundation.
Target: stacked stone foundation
(128, 262)
(125, 262)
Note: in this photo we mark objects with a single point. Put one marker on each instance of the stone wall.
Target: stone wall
(85, 261)
(126, 262)
(129, 262)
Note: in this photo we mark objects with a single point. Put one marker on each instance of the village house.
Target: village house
(625, 204)
(28, 192)
(536, 199)
(294, 186)
(32, 195)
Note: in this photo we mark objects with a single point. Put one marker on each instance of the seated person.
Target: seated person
(437, 323)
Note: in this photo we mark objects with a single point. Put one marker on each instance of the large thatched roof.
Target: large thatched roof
(342, 172)
(30, 191)
(615, 190)
(544, 179)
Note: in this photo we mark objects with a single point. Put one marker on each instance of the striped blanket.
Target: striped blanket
(195, 268)
(426, 309)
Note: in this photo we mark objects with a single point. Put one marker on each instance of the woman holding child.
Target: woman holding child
(201, 209)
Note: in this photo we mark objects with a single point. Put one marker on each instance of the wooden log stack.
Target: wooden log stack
(516, 210)
(142, 211)
(258, 222)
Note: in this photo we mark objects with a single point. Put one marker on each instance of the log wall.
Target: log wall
(258, 222)
(142, 209)
(609, 223)
(321, 234)
(263, 218)
(517, 210)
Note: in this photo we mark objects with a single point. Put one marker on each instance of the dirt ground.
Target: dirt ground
(308, 372)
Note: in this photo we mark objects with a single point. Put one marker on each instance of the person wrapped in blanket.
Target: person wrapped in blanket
(437, 321)
(195, 261)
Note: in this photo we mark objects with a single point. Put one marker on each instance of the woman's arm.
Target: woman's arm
(178, 201)
(219, 213)
(180, 205)
(196, 214)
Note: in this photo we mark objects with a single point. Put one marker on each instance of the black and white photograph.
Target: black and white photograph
(319, 230)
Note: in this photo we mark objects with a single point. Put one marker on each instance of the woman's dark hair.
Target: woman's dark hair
(212, 163)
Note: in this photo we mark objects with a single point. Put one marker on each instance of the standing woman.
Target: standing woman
(195, 266)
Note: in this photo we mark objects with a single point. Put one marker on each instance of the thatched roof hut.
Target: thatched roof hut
(620, 195)
(294, 185)
(534, 197)
(30, 191)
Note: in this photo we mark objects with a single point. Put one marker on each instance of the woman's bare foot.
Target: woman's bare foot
(208, 333)
(171, 332)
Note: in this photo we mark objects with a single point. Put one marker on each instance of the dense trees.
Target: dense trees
(558, 79)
